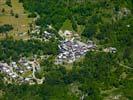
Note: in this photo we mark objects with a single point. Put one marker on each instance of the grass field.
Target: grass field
(67, 25)
(26, 74)
(20, 24)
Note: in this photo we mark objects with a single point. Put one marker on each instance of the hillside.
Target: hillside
(71, 50)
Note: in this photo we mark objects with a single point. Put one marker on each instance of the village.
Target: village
(22, 71)
(70, 50)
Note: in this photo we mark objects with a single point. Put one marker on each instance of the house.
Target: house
(10, 74)
(14, 76)
(7, 70)
(112, 49)
(21, 71)
(28, 67)
(14, 65)
(25, 64)
(68, 33)
(27, 79)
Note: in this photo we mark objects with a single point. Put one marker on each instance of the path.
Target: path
(39, 81)
(125, 66)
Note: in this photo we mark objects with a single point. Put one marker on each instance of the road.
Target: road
(39, 81)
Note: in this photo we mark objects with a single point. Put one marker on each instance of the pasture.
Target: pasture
(8, 16)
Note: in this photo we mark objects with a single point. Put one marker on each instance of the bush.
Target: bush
(5, 28)
(8, 2)
(16, 15)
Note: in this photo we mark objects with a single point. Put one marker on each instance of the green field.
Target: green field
(67, 25)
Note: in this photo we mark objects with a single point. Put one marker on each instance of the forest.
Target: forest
(10, 49)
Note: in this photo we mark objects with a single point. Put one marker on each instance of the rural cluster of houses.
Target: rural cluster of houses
(70, 50)
(43, 36)
(22, 71)
(110, 49)
(7, 70)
